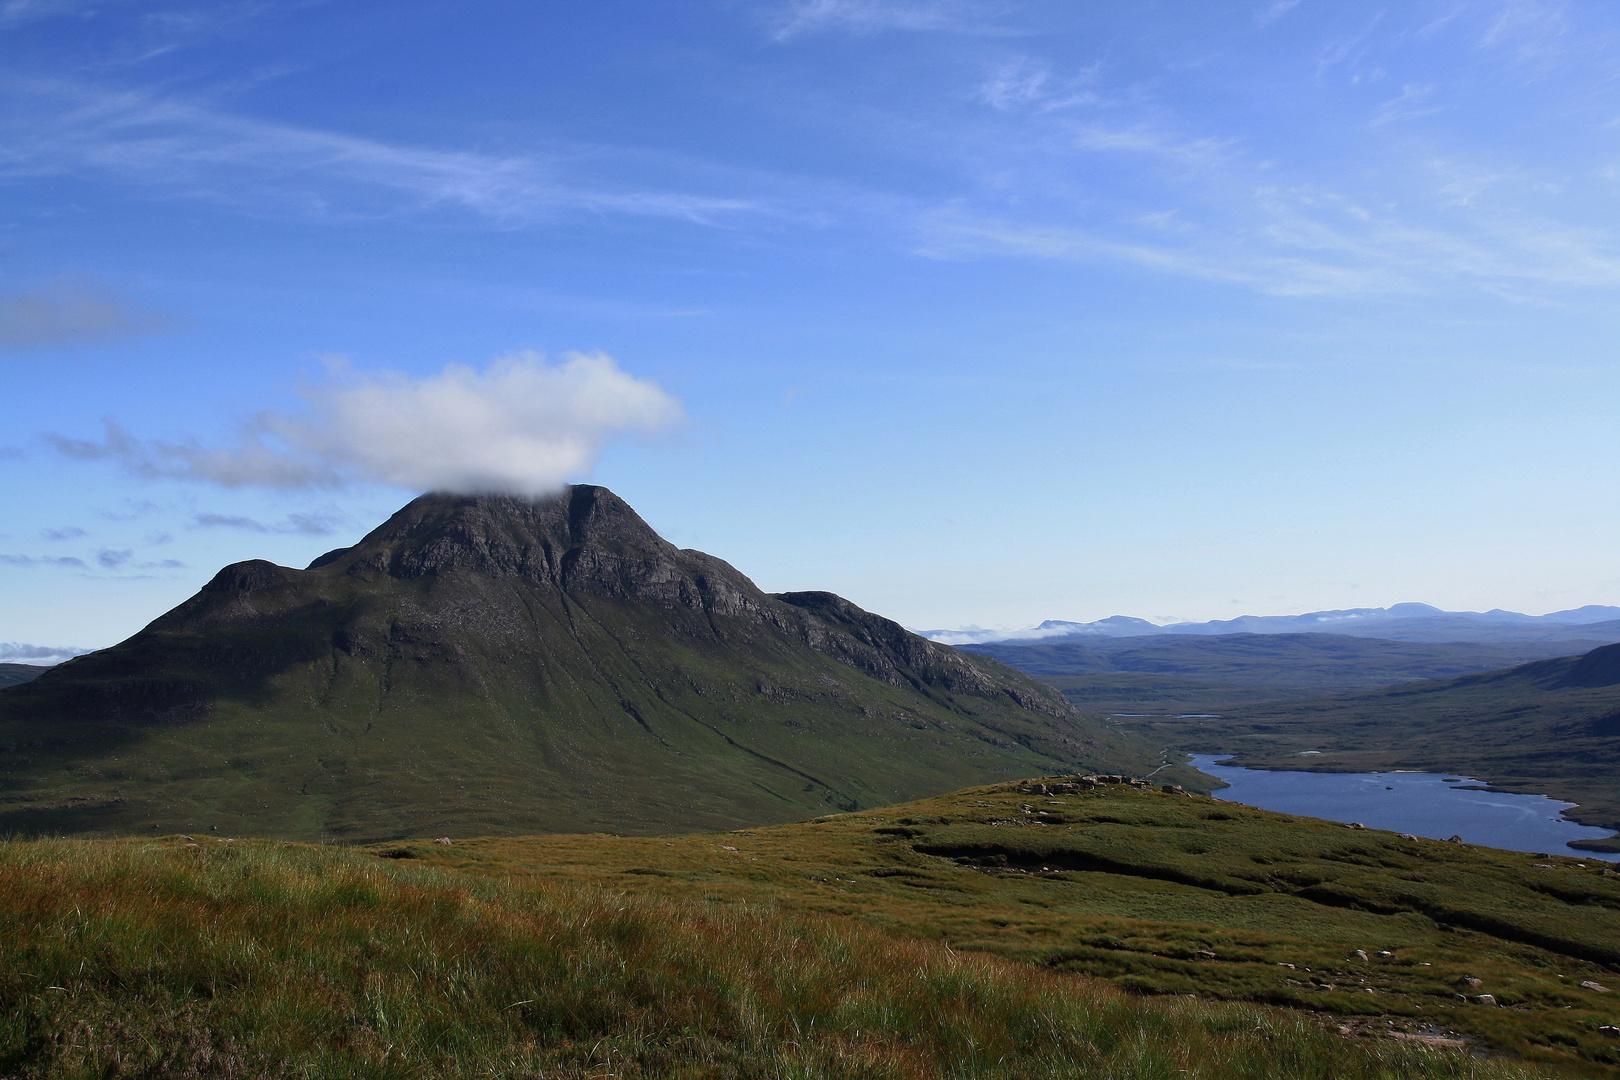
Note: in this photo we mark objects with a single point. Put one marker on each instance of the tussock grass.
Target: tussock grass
(1163, 894)
(121, 959)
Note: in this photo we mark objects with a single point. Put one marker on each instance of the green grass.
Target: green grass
(239, 959)
(1138, 887)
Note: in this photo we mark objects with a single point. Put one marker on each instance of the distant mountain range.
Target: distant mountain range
(1586, 626)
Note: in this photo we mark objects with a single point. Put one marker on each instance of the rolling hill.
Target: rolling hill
(496, 665)
(1180, 673)
(13, 674)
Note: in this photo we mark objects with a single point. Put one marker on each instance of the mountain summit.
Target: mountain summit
(495, 665)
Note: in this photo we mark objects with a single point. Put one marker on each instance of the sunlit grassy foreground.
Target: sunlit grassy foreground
(161, 958)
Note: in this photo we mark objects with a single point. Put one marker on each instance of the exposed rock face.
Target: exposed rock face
(498, 664)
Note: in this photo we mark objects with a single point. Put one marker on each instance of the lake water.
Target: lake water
(1412, 802)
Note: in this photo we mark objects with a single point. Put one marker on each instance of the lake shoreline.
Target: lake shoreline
(1438, 805)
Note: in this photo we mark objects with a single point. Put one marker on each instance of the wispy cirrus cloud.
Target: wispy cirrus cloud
(1303, 241)
(189, 149)
(114, 559)
(16, 12)
(875, 16)
(295, 524)
(106, 559)
(1138, 176)
(1412, 102)
(1025, 82)
(44, 560)
(1273, 11)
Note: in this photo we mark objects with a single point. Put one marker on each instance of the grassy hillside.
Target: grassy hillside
(1164, 893)
(239, 959)
(1172, 673)
(12, 674)
(1552, 727)
(498, 665)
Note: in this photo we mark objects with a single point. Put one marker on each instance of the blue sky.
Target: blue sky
(974, 312)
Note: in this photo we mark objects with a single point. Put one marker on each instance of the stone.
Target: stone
(1453, 839)
(1485, 999)
(1610, 1030)
(445, 840)
(1360, 954)
(1469, 980)
(1590, 985)
(1205, 954)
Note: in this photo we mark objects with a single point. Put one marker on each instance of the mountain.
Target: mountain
(1551, 727)
(497, 665)
(1187, 673)
(1591, 625)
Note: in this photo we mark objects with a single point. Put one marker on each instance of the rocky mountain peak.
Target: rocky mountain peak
(499, 534)
(585, 538)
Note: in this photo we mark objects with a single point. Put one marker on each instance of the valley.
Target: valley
(1504, 712)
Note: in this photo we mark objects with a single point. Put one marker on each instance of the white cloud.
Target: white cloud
(72, 312)
(522, 426)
